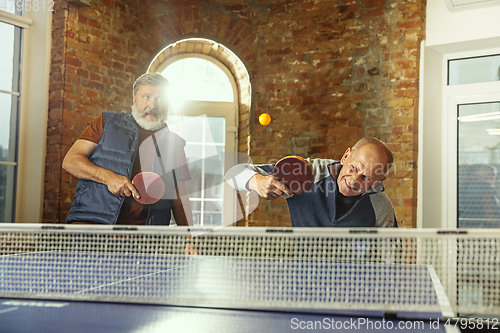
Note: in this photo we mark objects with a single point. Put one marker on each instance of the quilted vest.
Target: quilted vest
(116, 151)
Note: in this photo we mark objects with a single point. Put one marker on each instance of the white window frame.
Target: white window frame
(465, 94)
(11, 164)
(34, 97)
(228, 110)
(443, 156)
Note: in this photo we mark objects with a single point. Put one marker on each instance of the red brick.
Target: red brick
(373, 3)
(73, 61)
(95, 76)
(82, 72)
(91, 93)
(118, 66)
(82, 20)
(374, 12)
(94, 23)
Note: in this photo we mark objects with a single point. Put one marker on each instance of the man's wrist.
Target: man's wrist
(104, 175)
(252, 183)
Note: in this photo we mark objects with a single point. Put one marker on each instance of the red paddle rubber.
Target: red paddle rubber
(150, 186)
(296, 173)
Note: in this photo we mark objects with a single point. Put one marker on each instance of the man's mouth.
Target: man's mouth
(349, 187)
(150, 113)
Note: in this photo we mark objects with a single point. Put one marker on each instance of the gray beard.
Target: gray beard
(151, 126)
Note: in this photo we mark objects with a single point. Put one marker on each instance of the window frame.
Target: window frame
(467, 95)
(228, 110)
(226, 71)
(32, 114)
(438, 141)
(11, 164)
(453, 96)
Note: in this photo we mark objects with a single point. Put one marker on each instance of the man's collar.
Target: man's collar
(334, 169)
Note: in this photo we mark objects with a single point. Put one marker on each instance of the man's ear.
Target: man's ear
(377, 182)
(345, 156)
(133, 98)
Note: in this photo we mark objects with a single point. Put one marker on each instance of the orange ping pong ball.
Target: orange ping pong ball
(264, 119)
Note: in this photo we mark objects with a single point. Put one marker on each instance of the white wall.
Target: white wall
(448, 34)
(475, 27)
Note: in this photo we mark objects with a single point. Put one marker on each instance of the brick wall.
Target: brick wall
(328, 73)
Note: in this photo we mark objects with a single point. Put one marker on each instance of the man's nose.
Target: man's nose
(356, 178)
(152, 103)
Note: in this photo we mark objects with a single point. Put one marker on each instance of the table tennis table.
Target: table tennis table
(98, 291)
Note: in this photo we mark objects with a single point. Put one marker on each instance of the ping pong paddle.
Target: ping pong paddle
(150, 186)
(295, 172)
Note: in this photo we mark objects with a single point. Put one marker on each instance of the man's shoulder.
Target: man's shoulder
(384, 211)
(321, 166)
(123, 120)
(381, 200)
(321, 162)
(114, 115)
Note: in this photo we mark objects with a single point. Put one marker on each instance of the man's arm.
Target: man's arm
(181, 207)
(77, 163)
(183, 215)
(268, 187)
(254, 178)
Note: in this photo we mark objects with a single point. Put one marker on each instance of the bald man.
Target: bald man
(346, 193)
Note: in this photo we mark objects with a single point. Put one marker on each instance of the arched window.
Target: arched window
(204, 112)
(198, 79)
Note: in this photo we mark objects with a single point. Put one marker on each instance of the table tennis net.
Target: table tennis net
(389, 270)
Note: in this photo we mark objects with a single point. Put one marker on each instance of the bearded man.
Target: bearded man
(106, 157)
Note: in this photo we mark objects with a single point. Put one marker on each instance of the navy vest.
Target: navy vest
(116, 151)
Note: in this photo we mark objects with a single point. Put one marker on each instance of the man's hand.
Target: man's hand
(268, 187)
(190, 250)
(77, 163)
(121, 186)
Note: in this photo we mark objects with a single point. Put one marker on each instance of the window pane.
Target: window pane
(193, 69)
(195, 164)
(217, 129)
(187, 127)
(8, 59)
(8, 122)
(474, 70)
(196, 218)
(478, 165)
(3, 185)
(214, 179)
(199, 80)
(197, 209)
(213, 213)
(10, 56)
(204, 150)
(196, 205)
(214, 74)
(12, 6)
(7, 179)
